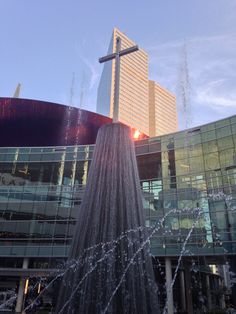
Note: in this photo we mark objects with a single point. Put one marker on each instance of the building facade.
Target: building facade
(162, 110)
(143, 104)
(41, 187)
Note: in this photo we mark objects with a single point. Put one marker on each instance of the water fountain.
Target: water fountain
(109, 269)
(93, 258)
(115, 278)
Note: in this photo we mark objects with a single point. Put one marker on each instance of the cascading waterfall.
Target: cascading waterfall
(116, 277)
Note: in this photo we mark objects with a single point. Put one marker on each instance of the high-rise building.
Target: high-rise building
(162, 110)
(140, 104)
(133, 89)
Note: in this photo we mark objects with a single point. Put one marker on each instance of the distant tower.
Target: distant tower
(162, 110)
(17, 91)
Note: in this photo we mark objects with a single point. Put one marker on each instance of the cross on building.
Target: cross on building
(116, 55)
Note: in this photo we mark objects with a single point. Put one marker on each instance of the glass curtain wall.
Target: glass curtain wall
(40, 193)
(196, 173)
(180, 174)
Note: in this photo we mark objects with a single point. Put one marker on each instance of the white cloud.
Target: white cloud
(212, 72)
(216, 95)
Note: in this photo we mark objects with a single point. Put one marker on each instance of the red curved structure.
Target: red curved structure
(26, 122)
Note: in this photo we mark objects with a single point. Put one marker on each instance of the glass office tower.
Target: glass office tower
(143, 104)
(162, 110)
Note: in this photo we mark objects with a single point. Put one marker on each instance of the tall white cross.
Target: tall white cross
(116, 55)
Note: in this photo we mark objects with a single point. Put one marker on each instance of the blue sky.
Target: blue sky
(43, 42)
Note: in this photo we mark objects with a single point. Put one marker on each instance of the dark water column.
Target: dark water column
(233, 269)
(208, 292)
(111, 268)
(20, 293)
(182, 287)
(169, 288)
(188, 290)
